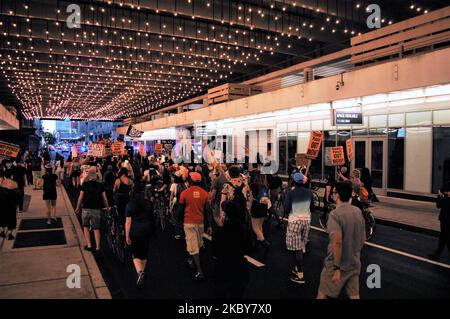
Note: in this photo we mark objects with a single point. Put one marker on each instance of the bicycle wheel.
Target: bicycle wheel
(162, 217)
(119, 245)
(370, 226)
(109, 237)
(316, 201)
(323, 219)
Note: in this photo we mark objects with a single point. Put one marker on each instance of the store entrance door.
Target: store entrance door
(372, 153)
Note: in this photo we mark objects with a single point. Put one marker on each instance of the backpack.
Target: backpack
(363, 194)
(238, 197)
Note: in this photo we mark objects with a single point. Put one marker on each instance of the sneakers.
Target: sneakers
(87, 248)
(298, 278)
(10, 237)
(190, 263)
(199, 276)
(141, 279)
(49, 222)
(294, 271)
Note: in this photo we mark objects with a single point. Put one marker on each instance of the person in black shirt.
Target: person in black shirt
(443, 202)
(109, 179)
(29, 169)
(231, 243)
(92, 196)
(19, 172)
(139, 226)
(50, 194)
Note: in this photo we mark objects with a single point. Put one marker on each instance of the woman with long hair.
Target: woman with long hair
(122, 189)
(139, 226)
(260, 204)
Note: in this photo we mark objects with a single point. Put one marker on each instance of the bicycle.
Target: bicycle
(367, 215)
(159, 206)
(115, 234)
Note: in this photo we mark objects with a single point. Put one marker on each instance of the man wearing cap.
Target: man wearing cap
(194, 200)
(92, 196)
(298, 205)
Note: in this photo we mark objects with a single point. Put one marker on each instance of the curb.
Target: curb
(408, 227)
(97, 281)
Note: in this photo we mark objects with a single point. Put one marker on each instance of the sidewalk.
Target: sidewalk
(34, 265)
(407, 212)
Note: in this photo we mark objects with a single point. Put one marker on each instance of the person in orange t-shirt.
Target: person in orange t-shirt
(195, 201)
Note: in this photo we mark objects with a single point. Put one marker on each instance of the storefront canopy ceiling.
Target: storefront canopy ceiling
(129, 57)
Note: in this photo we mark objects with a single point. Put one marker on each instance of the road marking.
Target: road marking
(254, 261)
(398, 252)
(249, 259)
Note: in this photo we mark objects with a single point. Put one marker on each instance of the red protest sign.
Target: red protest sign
(349, 146)
(314, 145)
(337, 156)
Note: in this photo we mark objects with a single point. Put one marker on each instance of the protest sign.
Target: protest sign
(8, 150)
(349, 146)
(314, 145)
(301, 160)
(96, 150)
(117, 148)
(337, 156)
(142, 150)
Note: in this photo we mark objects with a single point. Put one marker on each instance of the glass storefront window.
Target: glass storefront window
(329, 140)
(418, 118)
(441, 157)
(396, 158)
(441, 117)
(282, 155)
(396, 120)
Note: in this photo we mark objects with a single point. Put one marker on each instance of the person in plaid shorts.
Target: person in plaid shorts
(298, 205)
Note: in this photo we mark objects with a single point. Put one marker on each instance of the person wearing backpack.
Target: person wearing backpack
(259, 209)
(236, 190)
(139, 227)
(177, 187)
(297, 205)
(50, 194)
(91, 198)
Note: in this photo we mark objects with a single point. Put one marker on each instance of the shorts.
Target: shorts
(139, 246)
(91, 218)
(75, 174)
(297, 234)
(51, 202)
(194, 238)
(349, 281)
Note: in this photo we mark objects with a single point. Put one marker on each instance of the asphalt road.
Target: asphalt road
(401, 255)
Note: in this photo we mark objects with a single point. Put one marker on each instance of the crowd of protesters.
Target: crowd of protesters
(228, 202)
